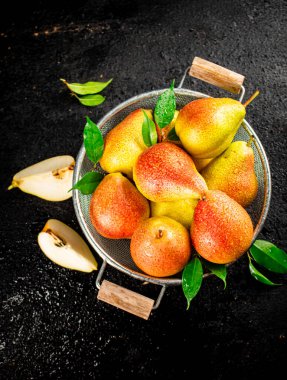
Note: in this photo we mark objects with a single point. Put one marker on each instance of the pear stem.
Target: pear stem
(159, 133)
(13, 185)
(250, 141)
(252, 97)
(159, 234)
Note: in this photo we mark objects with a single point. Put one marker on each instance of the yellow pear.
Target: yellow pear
(124, 144)
(233, 172)
(182, 210)
(201, 163)
(207, 126)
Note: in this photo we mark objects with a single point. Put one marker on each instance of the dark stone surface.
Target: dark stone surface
(52, 326)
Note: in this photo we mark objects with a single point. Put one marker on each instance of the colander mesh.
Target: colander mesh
(117, 252)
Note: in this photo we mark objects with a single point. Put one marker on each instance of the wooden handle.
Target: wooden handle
(125, 299)
(217, 75)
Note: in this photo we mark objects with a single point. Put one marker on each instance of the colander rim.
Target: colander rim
(167, 281)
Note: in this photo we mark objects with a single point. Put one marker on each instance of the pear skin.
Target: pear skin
(117, 207)
(182, 210)
(233, 173)
(160, 246)
(222, 230)
(201, 163)
(207, 126)
(165, 173)
(124, 143)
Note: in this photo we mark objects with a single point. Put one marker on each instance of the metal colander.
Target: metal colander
(117, 252)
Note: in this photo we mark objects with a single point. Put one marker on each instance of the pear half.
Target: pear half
(50, 179)
(65, 247)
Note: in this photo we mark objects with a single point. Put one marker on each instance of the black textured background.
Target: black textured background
(52, 326)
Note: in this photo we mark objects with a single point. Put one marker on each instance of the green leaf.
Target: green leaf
(90, 100)
(86, 88)
(165, 107)
(259, 276)
(219, 270)
(269, 256)
(88, 183)
(93, 141)
(172, 135)
(191, 279)
(149, 131)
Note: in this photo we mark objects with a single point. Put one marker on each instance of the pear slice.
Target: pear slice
(65, 247)
(50, 179)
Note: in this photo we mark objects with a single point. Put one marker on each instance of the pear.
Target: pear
(160, 246)
(50, 179)
(181, 210)
(201, 163)
(65, 247)
(207, 126)
(124, 143)
(165, 173)
(233, 172)
(117, 207)
(222, 230)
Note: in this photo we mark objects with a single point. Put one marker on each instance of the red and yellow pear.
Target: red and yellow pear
(160, 246)
(117, 207)
(165, 173)
(222, 230)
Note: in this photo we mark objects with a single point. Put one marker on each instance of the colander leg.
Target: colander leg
(126, 299)
(100, 274)
(159, 298)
